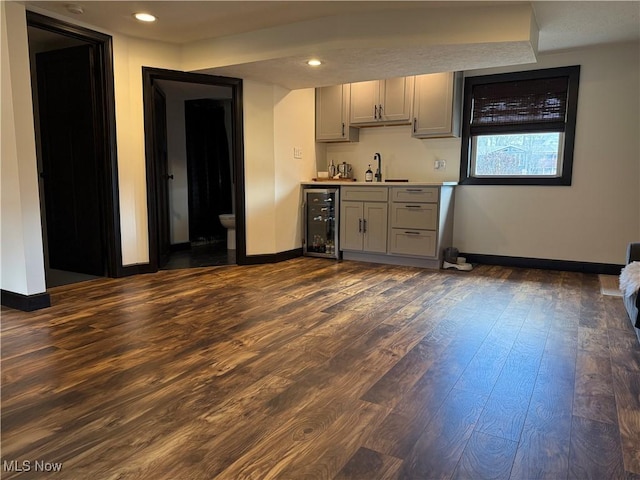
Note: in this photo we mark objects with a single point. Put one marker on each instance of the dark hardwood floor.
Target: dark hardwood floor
(314, 369)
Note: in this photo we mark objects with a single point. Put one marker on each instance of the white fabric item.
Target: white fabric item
(458, 266)
(630, 279)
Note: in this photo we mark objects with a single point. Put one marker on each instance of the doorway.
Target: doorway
(194, 167)
(72, 85)
(208, 171)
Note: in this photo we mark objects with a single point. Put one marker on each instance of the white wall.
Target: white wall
(130, 55)
(259, 163)
(294, 126)
(276, 120)
(402, 155)
(595, 218)
(22, 269)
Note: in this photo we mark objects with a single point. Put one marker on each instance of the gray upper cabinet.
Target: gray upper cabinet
(437, 105)
(332, 115)
(431, 104)
(382, 101)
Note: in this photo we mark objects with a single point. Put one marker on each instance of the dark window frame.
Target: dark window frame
(572, 73)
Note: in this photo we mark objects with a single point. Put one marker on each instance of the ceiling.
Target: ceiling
(389, 48)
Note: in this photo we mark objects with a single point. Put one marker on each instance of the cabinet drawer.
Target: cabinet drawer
(415, 194)
(422, 216)
(365, 194)
(413, 242)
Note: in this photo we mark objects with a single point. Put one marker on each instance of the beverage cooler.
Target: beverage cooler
(321, 211)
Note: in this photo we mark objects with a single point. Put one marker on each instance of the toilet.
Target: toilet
(228, 221)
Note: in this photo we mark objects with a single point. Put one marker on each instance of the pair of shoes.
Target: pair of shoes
(461, 264)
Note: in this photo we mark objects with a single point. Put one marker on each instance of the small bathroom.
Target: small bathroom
(201, 189)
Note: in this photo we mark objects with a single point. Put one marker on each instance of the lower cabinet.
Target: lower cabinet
(396, 225)
(364, 226)
(363, 219)
(414, 221)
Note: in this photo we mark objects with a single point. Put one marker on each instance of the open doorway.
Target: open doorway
(194, 130)
(193, 137)
(72, 85)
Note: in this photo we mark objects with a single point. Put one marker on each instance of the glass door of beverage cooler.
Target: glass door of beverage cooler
(321, 209)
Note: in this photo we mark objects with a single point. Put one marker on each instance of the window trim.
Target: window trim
(569, 127)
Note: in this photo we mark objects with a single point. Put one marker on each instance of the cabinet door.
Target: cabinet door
(332, 119)
(365, 97)
(351, 217)
(435, 110)
(396, 99)
(375, 227)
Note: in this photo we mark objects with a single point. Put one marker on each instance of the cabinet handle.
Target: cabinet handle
(375, 112)
(415, 125)
(413, 206)
(412, 233)
(414, 190)
(359, 225)
(380, 111)
(364, 226)
(343, 129)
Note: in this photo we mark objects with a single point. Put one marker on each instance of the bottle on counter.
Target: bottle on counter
(332, 169)
(368, 175)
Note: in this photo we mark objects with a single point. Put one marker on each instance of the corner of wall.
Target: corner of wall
(22, 248)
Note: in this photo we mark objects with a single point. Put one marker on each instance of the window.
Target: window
(519, 128)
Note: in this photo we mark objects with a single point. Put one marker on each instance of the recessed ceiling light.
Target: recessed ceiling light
(144, 17)
(314, 62)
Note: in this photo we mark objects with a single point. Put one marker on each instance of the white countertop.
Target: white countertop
(333, 183)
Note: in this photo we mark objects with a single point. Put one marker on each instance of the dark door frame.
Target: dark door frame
(151, 75)
(109, 193)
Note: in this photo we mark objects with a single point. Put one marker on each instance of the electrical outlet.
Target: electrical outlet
(440, 165)
(297, 152)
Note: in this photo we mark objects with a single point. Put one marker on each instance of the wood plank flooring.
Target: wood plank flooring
(315, 369)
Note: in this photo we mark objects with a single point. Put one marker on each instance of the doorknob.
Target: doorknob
(170, 177)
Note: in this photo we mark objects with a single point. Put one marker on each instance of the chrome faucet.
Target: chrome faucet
(378, 158)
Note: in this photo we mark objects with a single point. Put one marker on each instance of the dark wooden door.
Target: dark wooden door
(162, 175)
(71, 159)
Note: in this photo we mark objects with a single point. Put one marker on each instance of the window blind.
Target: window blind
(520, 102)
